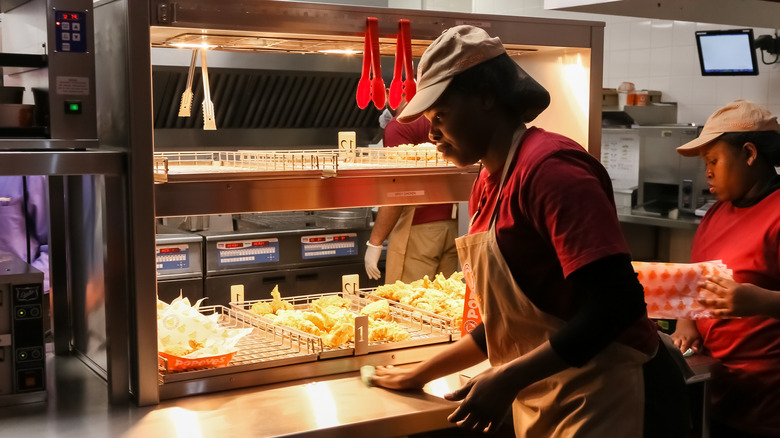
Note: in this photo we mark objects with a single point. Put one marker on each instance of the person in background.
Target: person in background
(421, 238)
(740, 144)
(572, 352)
(24, 221)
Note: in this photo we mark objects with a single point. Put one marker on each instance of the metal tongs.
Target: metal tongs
(185, 108)
(208, 107)
(186, 98)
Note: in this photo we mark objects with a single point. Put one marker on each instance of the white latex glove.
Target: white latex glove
(372, 260)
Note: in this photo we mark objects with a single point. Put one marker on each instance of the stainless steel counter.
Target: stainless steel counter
(336, 406)
(683, 221)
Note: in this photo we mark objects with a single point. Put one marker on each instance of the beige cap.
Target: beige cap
(456, 50)
(737, 116)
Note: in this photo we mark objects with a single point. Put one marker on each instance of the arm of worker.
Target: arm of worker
(386, 218)
(456, 357)
(614, 301)
(727, 298)
(686, 335)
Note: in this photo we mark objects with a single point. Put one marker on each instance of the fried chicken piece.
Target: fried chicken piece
(296, 319)
(377, 310)
(262, 308)
(340, 335)
(278, 303)
(316, 319)
(328, 301)
(387, 331)
(442, 296)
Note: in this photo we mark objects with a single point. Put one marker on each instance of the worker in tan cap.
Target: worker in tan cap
(740, 144)
(572, 352)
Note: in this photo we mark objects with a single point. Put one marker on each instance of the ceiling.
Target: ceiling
(748, 13)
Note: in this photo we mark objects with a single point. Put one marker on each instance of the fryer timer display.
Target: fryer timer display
(172, 257)
(329, 245)
(248, 252)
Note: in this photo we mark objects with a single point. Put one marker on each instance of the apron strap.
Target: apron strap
(512, 150)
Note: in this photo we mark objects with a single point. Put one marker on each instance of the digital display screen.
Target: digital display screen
(727, 52)
(69, 16)
(260, 243)
(340, 238)
(234, 245)
(169, 250)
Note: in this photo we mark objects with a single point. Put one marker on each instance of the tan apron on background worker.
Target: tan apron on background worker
(396, 245)
(414, 251)
(603, 398)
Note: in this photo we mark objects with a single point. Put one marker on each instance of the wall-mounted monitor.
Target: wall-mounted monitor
(727, 52)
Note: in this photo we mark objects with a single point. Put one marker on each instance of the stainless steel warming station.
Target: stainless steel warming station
(565, 56)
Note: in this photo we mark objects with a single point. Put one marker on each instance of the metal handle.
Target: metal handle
(208, 107)
(186, 97)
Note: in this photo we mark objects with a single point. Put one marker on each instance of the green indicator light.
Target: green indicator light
(72, 107)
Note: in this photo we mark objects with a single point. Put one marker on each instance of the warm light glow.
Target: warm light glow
(193, 46)
(341, 51)
(185, 423)
(576, 76)
(438, 387)
(322, 404)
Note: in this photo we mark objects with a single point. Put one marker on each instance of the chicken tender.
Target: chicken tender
(262, 308)
(297, 320)
(387, 331)
(340, 335)
(278, 303)
(377, 310)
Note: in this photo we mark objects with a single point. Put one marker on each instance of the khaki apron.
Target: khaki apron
(396, 246)
(603, 398)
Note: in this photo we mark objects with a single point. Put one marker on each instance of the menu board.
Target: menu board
(620, 156)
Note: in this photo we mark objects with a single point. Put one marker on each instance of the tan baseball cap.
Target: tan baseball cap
(737, 116)
(456, 50)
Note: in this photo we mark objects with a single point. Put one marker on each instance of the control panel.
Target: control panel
(22, 345)
(172, 258)
(329, 245)
(29, 353)
(248, 252)
(70, 31)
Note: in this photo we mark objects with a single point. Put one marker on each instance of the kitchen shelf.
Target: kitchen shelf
(71, 162)
(351, 188)
(23, 60)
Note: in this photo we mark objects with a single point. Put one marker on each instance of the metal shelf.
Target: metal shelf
(23, 60)
(348, 189)
(87, 162)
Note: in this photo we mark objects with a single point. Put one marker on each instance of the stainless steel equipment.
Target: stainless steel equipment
(179, 264)
(55, 60)
(648, 175)
(49, 48)
(566, 56)
(668, 180)
(301, 252)
(22, 348)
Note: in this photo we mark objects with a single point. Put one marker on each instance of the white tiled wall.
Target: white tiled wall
(660, 55)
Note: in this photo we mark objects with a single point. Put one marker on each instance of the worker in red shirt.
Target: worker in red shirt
(740, 144)
(572, 351)
(422, 237)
